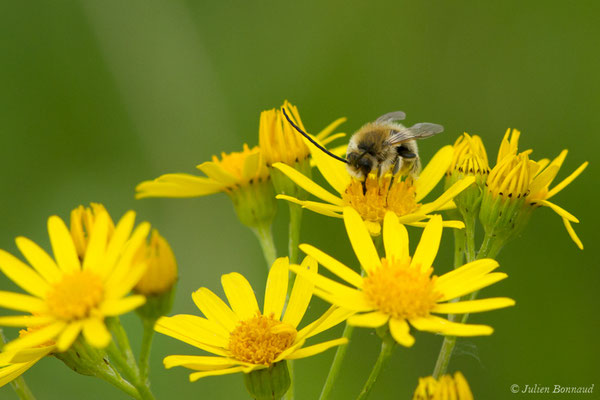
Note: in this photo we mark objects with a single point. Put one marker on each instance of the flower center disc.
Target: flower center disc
(379, 195)
(75, 295)
(254, 341)
(400, 291)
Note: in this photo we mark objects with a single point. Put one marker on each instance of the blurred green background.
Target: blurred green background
(96, 96)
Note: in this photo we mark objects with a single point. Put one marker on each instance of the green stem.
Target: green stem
(338, 359)
(146, 347)
(459, 247)
(21, 389)
(387, 347)
(118, 382)
(265, 237)
(470, 237)
(489, 248)
(124, 359)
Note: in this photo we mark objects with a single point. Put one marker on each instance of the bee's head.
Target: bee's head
(359, 164)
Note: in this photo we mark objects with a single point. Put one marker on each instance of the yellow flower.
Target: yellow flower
(243, 176)
(161, 272)
(280, 142)
(66, 295)
(14, 364)
(517, 185)
(232, 171)
(469, 156)
(398, 288)
(379, 194)
(446, 388)
(82, 220)
(243, 338)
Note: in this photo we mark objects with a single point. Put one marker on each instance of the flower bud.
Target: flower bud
(268, 383)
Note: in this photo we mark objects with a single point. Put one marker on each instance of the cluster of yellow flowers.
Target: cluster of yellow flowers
(100, 270)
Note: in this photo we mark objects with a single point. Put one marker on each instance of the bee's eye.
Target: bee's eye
(365, 164)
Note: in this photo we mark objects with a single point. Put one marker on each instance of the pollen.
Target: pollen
(377, 195)
(76, 295)
(401, 291)
(260, 340)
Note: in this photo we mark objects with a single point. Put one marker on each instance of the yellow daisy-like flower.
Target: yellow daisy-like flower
(399, 289)
(378, 195)
(517, 177)
(231, 172)
(66, 295)
(243, 338)
(446, 388)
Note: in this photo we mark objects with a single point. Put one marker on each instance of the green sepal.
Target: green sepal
(157, 305)
(268, 383)
(255, 203)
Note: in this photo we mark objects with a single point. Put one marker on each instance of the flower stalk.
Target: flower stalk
(387, 348)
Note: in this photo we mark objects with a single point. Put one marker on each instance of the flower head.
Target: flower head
(244, 176)
(447, 387)
(67, 295)
(377, 195)
(399, 289)
(161, 272)
(518, 185)
(243, 338)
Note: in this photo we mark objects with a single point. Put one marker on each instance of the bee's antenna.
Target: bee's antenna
(323, 149)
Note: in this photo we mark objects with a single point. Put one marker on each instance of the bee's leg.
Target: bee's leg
(364, 186)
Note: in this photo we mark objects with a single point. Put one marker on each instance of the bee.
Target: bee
(383, 146)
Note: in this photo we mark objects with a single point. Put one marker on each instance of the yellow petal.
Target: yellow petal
(215, 309)
(240, 295)
(353, 300)
(428, 245)
(68, 336)
(447, 196)
(178, 185)
(98, 239)
(252, 164)
(62, 245)
(433, 172)
(308, 185)
(23, 275)
(334, 171)
(276, 290)
(194, 336)
(215, 172)
(321, 208)
(473, 306)
(373, 319)
(395, 238)
(301, 293)
(361, 240)
(560, 211)
(25, 355)
(445, 327)
(333, 265)
(117, 242)
(122, 305)
(95, 333)
(25, 320)
(118, 285)
(324, 137)
(37, 337)
(21, 302)
(12, 372)
(567, 180)
(39, 259)
(316, 349)
(216, 372)
(401, 332)
(329, 286)
(199, 363)
(472, 270)
(333, 316)
(471, 286)
(572, 233)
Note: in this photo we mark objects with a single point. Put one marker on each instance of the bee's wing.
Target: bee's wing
(418, 131)
(392, 116)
